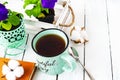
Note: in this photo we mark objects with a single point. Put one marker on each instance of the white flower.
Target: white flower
(12, 70)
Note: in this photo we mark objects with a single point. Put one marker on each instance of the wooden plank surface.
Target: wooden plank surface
(114, 24)
(77, 74)
(101, 55)
(97, 51)
(2, 53)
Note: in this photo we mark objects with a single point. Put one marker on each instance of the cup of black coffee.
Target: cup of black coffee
(51, 47)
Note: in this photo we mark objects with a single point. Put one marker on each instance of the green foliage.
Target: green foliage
(37, 8)
(6, 25)
(13, 19)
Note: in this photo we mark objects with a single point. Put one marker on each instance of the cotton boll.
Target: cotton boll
(10, 76)
(12, 64)
(5, 69)
(12, 70)
(76, 37)
(19, 71)
(85, 36)
(78, 34)
(78, 28)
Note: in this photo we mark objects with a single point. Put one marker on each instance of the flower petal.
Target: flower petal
(3, 12)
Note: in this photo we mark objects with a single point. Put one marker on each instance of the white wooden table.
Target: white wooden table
(101, 55)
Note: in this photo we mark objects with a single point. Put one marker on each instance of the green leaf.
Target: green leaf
(28, 12)
(14, 20)
(34, 1)
(45, 9)
(0, 25)
(41, 15)
(5, 3)
(27, 2)
(14, 13)
(6, 25)
(36, 11)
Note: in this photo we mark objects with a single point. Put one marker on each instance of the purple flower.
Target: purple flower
(3, 12)
(48, 3)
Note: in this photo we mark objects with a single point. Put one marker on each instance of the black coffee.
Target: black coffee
(50, 45)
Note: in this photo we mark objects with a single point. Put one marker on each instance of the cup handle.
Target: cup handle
(70, 63)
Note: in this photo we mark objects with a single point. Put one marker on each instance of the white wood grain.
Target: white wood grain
(77, 74)
(114, 24)
(41, 76)
(102, 25)
(97, 52)
(2, 49)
